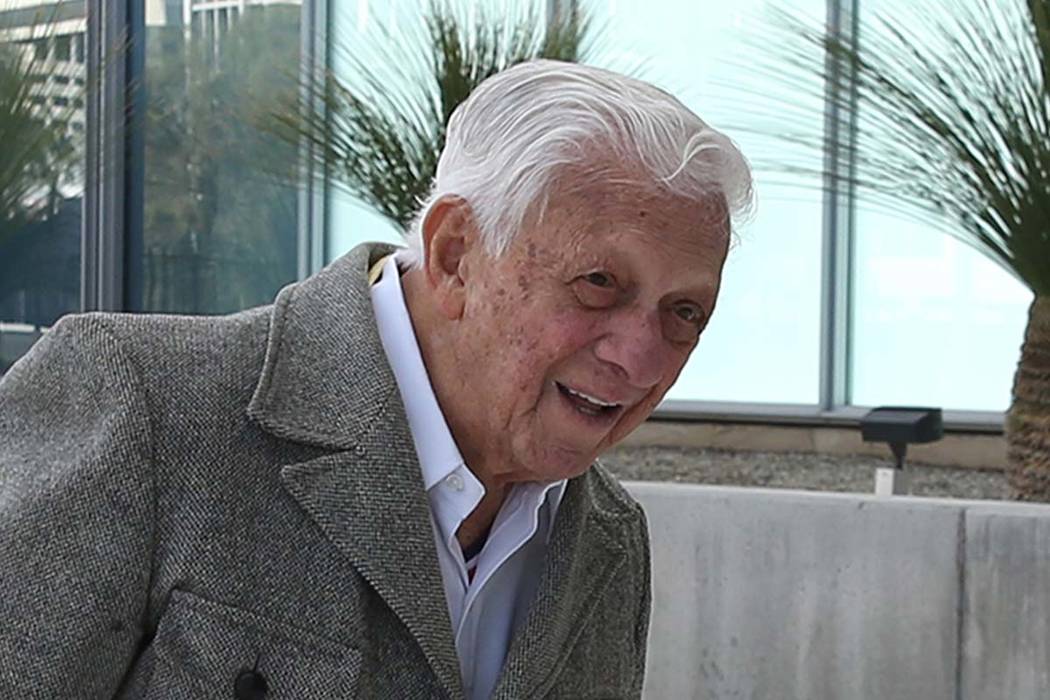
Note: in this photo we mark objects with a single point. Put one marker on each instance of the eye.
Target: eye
(690, 313)
(599, 279)
(687, 321)
(596, 290)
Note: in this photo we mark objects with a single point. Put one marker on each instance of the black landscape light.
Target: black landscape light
(899, 426)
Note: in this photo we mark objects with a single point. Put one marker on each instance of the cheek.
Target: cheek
(518, 362)
(537, 349)
(676, 363)
(570, 333)
(632, 420)
(641, 412)
(528, 327)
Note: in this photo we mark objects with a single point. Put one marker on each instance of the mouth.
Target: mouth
(590, 406)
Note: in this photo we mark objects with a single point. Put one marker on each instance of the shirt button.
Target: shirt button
(455, 482)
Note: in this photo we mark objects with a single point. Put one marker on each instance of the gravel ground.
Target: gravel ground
(795, 471)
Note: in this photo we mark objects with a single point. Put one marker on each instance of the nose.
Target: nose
(636, 348)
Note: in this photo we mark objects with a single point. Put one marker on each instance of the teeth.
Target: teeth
(590, 399)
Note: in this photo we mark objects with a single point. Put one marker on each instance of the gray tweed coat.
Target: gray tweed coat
(183, 499)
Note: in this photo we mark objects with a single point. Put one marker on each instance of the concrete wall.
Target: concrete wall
(782, 595)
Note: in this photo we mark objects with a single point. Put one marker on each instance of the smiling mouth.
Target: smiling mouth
(586, 404)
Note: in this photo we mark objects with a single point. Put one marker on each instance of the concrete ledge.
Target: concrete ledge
(771, 594)
(955, 450)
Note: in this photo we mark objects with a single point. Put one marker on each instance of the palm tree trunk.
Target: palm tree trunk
(1028, 421)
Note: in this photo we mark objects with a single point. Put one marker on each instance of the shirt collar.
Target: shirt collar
(438, 454)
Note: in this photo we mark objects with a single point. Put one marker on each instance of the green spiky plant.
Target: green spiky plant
(952, 102)
(379, 134)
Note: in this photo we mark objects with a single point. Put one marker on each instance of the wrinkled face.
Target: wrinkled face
(571, 338)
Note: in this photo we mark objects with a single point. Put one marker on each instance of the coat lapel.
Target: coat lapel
(326, 382)
(587, 547)
(384, 529)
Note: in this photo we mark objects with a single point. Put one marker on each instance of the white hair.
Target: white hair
(507, 142)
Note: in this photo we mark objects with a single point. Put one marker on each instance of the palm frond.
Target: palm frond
(379, 133)
(952, 118)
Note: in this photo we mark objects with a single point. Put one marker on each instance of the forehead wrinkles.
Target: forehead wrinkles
(582, 210)
(673, 224)
(610, 198)
(597, 174)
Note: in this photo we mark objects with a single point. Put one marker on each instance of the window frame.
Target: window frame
(112, 221)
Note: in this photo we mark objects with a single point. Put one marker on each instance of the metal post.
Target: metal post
(102, 242)
(313, 191)
(839, 164)
(893, 481)
(134, 199)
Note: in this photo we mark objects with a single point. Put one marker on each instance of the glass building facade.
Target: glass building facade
(210, 214)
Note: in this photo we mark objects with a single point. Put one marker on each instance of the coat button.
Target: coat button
(250, 685)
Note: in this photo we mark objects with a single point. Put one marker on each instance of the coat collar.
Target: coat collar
(587, 548)
(326, 382)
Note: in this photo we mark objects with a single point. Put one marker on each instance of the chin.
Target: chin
(563, 464)
(548, 454)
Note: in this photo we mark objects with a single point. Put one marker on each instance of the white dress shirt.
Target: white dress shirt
(487, 607)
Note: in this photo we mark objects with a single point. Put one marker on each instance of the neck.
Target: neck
(476, 525)
(434, 336)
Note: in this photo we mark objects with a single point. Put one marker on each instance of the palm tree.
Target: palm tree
(953, 107)
(380, 136)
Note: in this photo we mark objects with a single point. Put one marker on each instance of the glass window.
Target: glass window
(351, 222)
(63, 48)
(370, 24)
(763, 343)
(934, 321)
(220, 205)
(41, 187)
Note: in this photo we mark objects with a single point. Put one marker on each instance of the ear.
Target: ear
(449, 236)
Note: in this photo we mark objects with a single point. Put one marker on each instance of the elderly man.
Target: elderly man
(384, 485)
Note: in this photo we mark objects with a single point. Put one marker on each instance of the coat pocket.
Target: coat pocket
(206, 650)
